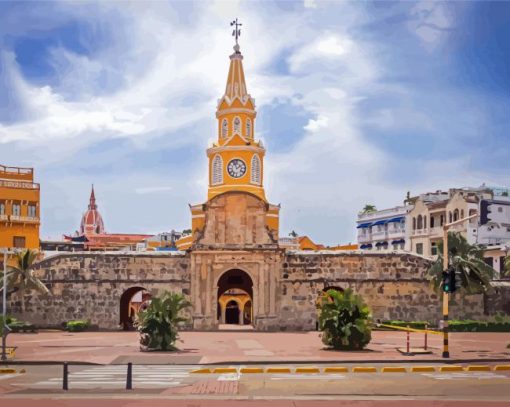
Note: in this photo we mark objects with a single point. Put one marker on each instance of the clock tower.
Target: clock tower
(237, 213)
(236, 159)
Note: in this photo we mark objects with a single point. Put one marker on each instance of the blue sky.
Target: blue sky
(358, 102)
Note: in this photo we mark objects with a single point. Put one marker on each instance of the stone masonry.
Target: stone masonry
(286, 286)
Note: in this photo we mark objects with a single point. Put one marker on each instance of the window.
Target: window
(16, 210)
(441, 220)
(414, 223)
(32, 211)
(489, 261)
(217, 170)
(433, 249)
(224, 128)
(237, 125)
(455, 215)
(2, 208)
(431, 221)
(18, 241)
(420, 222)
(255, 170)
(419, 248)
(450, 217)
(424, 222)
(462, 213)
(248, 128)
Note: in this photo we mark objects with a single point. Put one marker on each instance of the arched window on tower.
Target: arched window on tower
(255, 170)
(224, 128)
(237, 125)
(248, 128)
(217, 170)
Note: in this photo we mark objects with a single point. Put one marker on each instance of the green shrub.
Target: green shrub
(16, 325)
(478, 326)
(344, 320)
(158, 323)
(77, 325)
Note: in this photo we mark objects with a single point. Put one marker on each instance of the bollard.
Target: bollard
(129, 378)
(65, 385)
(426, 329)
(408, 340)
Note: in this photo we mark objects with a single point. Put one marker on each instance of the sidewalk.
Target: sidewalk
(246, 347)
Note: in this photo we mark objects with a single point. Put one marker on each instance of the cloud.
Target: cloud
(132, 109)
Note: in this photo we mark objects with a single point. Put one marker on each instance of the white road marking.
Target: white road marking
(461, 376)
(143, 376)
(312, 376)
(229, 377)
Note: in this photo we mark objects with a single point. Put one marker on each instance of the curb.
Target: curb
(354, 369)
(271, 362)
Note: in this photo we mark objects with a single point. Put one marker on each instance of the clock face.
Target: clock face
(236, 168)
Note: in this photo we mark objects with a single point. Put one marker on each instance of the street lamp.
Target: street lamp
(446, 353)
(5, 329)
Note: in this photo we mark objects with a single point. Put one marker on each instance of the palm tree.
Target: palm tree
(158, 323)
(467, 259)
(368, 208)
(21, 277)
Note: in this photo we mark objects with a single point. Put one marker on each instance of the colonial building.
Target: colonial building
(19, 208)
(384, 229)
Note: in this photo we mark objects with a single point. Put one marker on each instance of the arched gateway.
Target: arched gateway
(235, 298)
(132, 301)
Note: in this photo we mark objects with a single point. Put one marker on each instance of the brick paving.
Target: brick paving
(238, 347)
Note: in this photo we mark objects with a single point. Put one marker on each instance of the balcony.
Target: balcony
(19, 184)
(378, 235)
(420, 232)
(385, 213)
(4, 217)
(436, 231)
(396, 233)
(364, 238)
(23, 219)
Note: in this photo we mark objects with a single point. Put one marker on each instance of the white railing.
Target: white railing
(379, 234)
(17, 218)
(19, 184)
(4, 217)
(364, 238)
(420, 232)
(393, 212)
(392, 234)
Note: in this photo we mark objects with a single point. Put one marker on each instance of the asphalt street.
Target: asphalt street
(178, 382)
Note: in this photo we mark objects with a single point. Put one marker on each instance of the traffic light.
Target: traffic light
(449, 280)
(453, 282)
(484, 212)
(446, 281)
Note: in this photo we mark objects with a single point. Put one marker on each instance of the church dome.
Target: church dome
(91, 221)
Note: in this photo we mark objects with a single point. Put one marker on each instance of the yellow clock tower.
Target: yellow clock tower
(236, 174)
(236, 160)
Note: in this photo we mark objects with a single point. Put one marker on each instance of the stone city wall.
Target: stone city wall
(90, 285)
(393, 285)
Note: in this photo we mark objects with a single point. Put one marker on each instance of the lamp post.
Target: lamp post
(5, 328)
(446, 295)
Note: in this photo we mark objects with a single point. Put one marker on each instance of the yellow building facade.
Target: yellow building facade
(19, 208)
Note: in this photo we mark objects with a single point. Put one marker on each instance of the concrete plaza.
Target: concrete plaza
(246, 347)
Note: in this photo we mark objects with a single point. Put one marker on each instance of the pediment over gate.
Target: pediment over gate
(236, 220)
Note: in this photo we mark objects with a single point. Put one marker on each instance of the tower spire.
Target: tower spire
(92, 204)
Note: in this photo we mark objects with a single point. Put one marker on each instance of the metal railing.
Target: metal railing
(19, 184)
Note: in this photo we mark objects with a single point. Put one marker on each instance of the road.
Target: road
(153, 384)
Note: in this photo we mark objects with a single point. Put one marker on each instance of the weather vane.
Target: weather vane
(237, 31)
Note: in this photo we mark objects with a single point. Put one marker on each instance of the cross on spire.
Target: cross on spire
(237, 31)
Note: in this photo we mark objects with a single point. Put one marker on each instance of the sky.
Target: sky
(358, 102)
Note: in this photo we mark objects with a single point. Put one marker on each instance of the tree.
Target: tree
(293, 234)
(507, 266)
(21, 278)
(158, 323)
(368, 208)
(467, 259)
(186, 232)
(344, 320)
